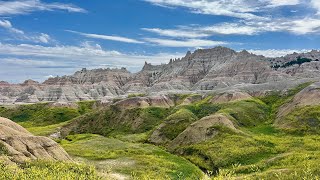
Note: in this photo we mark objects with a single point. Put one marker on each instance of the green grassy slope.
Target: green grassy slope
(145, 161)
(42, 118)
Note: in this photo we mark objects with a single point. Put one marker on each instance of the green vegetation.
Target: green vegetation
(178, 98)
(259, 151)
(140, 160)
(226, 150)
(39, 114)
(114, 121)
(177, 122)
(298, 61)
(47, 170)
(276, 99)
(85, 106)
(3, 150)
(44, 119)
(302, 120)
(45, 130)
(246, 113)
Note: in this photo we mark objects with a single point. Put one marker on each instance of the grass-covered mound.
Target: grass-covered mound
(225, 150)
(113, 121)
(302, 120)
(246, 113)
(288, 157)
(172, 126)
(47, 170)
(143, 161)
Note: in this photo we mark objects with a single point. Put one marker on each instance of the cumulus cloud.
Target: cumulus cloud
(16, 7)
(107, 37)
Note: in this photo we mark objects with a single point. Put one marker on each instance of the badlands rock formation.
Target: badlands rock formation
(204, 70)
(20, 145)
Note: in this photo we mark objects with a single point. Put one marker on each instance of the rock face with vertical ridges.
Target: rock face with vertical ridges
(20, 145)
(203, 70)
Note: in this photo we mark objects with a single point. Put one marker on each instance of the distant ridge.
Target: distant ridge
(214, 69)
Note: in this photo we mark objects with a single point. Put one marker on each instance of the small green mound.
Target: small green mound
(275, 99)
(225, 150)
(202, 109)
(177, 122)
(302, 120)
(47, 170)
(247, 113)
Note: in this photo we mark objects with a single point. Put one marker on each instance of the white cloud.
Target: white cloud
(316, 5)
(184, 43)
(183, 33)
(106, 37)
(7, 25)
(277, 52)
(235, 8)
(298, 26)
(275, 3)
(229, 28)
(44, 38)
(92, 54)
(25, 61)
(21, 35)
(27, 6)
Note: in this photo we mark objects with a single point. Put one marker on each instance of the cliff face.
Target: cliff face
(205, 69)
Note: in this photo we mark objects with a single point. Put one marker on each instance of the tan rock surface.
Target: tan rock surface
(22, 145)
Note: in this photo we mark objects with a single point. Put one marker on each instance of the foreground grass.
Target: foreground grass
(47, 170)
(150, 162)
(288, 157)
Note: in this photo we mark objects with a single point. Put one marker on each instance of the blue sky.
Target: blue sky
(42, 38)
